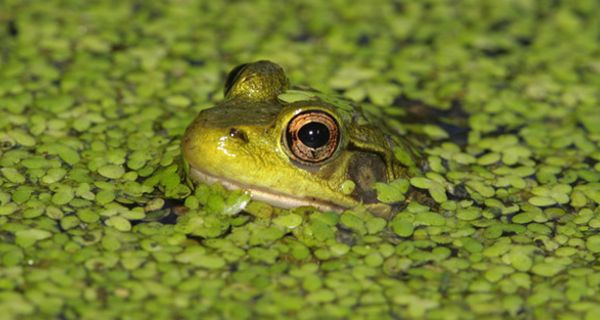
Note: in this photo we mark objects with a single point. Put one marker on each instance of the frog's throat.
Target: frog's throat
(277, 199)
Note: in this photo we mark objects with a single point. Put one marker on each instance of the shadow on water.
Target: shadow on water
(453, 120)
(11, 27)
(167, 214)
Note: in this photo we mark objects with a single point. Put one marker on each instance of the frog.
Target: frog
(293, 146)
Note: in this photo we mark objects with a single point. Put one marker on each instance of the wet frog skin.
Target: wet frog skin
(292, 148)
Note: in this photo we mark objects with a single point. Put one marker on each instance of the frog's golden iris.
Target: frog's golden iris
(312, 137)
(304, 150)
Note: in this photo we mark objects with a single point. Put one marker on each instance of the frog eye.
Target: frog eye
(260, 80)
(232, 77)
(312, 136)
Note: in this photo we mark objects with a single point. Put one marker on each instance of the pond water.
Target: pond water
(96, 221)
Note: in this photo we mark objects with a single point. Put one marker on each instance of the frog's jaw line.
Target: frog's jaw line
(276, 199)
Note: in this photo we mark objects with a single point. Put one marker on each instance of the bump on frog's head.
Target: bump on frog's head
(260, 80)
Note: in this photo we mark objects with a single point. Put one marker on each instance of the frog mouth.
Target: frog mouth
(276, 199)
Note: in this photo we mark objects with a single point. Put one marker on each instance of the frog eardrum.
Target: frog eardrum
(312, 137)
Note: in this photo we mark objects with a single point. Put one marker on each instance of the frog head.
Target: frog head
(290, 148)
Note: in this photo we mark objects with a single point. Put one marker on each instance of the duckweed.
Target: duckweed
(501, 98)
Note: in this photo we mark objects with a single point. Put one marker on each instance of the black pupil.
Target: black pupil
(314, 135)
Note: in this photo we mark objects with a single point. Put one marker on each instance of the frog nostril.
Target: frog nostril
(239, 134)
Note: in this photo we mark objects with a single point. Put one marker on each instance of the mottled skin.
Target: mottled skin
(241, 143)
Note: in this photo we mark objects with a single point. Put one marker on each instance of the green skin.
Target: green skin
(241, 144)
